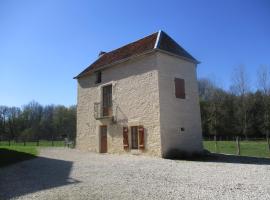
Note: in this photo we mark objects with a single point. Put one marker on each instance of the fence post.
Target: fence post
(9, 142)
(216, 147)
(52, 141)
(24, 143)
(238, 146)
(268, 143)
(37, 142)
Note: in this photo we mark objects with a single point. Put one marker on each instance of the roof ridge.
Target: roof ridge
(158, 39)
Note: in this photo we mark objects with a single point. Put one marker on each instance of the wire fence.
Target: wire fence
(257, 147)
(232, 138)
(41, 143)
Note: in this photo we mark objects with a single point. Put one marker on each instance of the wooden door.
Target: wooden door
(103, 139)
(107, 101)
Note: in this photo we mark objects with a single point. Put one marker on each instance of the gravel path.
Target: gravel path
(70, 174)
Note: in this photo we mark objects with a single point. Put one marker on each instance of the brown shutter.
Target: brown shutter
(141, 138)
(125, 137)
(180, 88)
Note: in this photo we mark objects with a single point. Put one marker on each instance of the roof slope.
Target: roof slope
(159, 40)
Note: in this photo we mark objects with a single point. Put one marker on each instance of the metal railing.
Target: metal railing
(101, 111)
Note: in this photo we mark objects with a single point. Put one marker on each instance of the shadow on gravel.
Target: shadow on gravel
(221, 158)
(8, 157)
(34, 175)
(214, 157)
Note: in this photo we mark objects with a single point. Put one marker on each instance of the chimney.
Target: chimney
(101, 53)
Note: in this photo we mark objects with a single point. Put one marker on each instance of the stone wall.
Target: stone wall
(135, 101)
(143, 93)
(178, 113)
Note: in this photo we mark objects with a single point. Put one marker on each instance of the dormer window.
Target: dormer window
(98, 77)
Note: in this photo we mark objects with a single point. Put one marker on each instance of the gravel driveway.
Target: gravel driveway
(70, 174)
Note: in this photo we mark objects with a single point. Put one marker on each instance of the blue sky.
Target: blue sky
(44, 44)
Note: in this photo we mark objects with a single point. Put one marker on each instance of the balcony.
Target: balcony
(102, 112)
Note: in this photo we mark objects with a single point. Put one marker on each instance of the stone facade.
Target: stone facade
(180, 120)
(143, 94)
(135, 102)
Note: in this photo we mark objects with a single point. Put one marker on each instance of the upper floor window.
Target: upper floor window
(98, 77)
(107, 100)
(179, 88)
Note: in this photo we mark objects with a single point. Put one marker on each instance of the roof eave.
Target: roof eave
(132, 57)
(113, 63)
(181, 57)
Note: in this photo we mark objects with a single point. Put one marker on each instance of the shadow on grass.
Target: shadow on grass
(8, 157)
(219, 158)
(34, 175)
(222, 158)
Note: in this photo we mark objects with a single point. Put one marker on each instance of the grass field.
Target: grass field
(43, 143)
(19, 151)
(13, 154)
(247, 148)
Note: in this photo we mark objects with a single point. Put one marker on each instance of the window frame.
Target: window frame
(179, 90)
(98, 75)
(106, 99)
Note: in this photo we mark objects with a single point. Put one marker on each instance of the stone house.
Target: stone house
(141, 98)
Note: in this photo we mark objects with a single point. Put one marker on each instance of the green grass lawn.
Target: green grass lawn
(13, 154)
(17, 152)
(247, 148)
(42, 143)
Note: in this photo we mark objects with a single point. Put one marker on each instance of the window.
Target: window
(134, 137)
(179, 88)
(107, 101)
(98, 77)
(137, 137)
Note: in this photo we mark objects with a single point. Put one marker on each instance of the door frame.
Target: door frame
(100, 139)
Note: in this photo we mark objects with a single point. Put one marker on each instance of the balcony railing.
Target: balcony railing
(101, 111)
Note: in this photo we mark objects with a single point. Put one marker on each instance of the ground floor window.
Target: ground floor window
(134, 137)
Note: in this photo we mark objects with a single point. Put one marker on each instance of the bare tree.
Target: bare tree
(210, 92)
(241, 88)
(264, 87)
(3, 118)
(13, 115)
(206, 87)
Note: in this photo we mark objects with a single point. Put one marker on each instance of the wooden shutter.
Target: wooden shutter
(180, 88)
(125, 138)
(141, 138)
